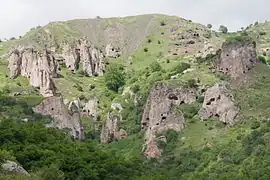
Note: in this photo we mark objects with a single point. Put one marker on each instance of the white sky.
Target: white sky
(18, 16)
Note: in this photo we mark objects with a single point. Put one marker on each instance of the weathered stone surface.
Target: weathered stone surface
(71, 57)
(14, 63)
(39, 69)
(63, 118)
(159, 115)
(236, 59)
(112, 52)
(110, 130)
(217, 103)
(91, 109)
(92, 59)
(14, 167)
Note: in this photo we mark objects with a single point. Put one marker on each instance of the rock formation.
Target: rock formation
(110, 130)
(236, 59)
(71, 57)
(92, 59)
(159, 115)
(62, 117)
(91, 109)
(112, 52)
(14, 167)
(217, 103)
(38, 68)
(15, 63)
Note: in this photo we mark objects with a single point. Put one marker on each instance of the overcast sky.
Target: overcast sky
(18, 16)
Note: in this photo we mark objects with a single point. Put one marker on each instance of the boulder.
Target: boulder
(159, 115)
(14, 167)
(14, 64)
(218, 104)
(63, 118)
(110, 130)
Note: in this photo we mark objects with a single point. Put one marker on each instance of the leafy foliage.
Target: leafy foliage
(115, 77)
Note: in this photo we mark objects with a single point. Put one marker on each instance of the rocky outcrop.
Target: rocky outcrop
(91, 109)
(236, 59)
(218, 104)
(62, 117)
(112, 52)
(159, 115)
(71, 57)
(92, 59)
(15, 64)
(14, 167)
(110, 130)
(38, 68)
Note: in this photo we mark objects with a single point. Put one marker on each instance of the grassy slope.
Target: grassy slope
(147, 27)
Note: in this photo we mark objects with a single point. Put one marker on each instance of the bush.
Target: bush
(191, 83)
(200, 99)
(262, 33)
(145, 49)
(91, 87)
(135, 88)
(155, 66)
(209, 26)
(115, 77)
(162, 23)
(256, 23)
(223, 29)
(262, 59)
(255, 125)
(149, 41)
(78, 87)
(181, 67)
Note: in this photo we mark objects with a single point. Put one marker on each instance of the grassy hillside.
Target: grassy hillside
(155, 48)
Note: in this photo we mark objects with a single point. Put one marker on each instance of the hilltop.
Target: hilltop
(149, 92)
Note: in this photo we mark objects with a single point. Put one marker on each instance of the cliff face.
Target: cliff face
(62, 117)
(38, 68)
(159, 115)
(236, 59)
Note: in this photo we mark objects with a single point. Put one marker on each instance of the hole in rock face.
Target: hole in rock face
(227, 69)
(227, 54)
(211, 100)
(157, 124)
(144, 123)
(164, 117)
(161, 114)
(172, 97)
(219, 97)
(182, 102)
(147, 119)
(217, 115)
(52, 109)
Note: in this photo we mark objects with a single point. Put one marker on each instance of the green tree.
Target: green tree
(223, 29)
(209, 26)
(115, 77)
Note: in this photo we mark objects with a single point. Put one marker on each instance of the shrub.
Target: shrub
(135, 88)
(145, 49)
(159, 42)
(262, 33)
(78, 87)
(181, 67)
(149, 41)
(255, 125)
(91, 87)
(155, 66)
(191, 83)
(223, 29)
(167, 61)
(209, 26)
(115, 77)
(162, 23)
(256, 23)
(262, 59)
(200, 99)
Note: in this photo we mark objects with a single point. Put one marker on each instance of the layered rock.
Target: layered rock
(62, 117)
(92, 59)
(159, 115)
(218, 104)
(71, 57)
(110, 130)
(38, 68)
(112, 52)
(236, 59)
